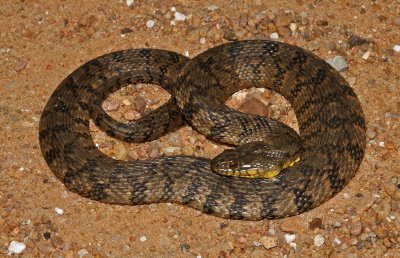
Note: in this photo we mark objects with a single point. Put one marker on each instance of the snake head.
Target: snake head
(254, 160)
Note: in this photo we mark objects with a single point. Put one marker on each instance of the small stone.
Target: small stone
(179, 16)
(330, 45)
(289, 238)
(130, 2)
(59, 211)
(57, 242)
(82, 252)
(338, 62)
(366, 55)
(20, 65)
(202, 40)
(319, 240)
(170, 150)
(153, 150)
(381, 232)
(16, 247)
(274, 35)
(283, 20)
(174, 139)
(396, 20)
(139, 104)
(316, 223)
(293, 27)
(196, 20)
(126, 102)
(143, 239)
(356, 229)
(396, 48)
(254, 106)
(130, 115)
(268, 242)
(387, 242)
(150, 24)
(120, 151)
(212, 7)
(357, 41)
(110, 105)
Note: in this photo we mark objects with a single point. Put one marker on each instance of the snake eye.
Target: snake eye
(233, 165)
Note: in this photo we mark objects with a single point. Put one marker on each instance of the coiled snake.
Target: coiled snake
(330, 118)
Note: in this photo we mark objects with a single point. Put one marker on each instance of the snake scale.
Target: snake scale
(331, 123)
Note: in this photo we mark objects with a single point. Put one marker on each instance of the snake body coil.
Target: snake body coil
(330, 118)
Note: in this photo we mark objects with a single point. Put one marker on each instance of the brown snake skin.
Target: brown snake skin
(330, 118)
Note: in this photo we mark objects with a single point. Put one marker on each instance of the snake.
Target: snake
(331, 139)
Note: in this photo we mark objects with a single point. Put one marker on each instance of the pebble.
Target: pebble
(139, 104)
(356, 41)
(16, 247)
(110, 105)
(82, 252)
(396, 20)
(120, 151)
(283, 20)
(212, 7)
(315, 223)
(179, 16)
(356, 229)
(150, 24)
(130, 2)
(254, 106)
(174, 139)
(202, 40)
(143, 239)
(274, 35)
(170, 150)
(396, 48)
(289, 238)
(268, 242)
(366, 55)
(338, 62)
(381, 232)
(59, 211)
(330, 45)
(319, 240)
(153, 150)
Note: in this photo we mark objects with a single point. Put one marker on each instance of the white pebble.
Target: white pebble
(143, 238)
(366, 55)
(338, 62)
(179, 16)
(16, 247)
(82, 252)
(382, 144)
(212, 7)
(59, 211)
(173, 9)
(202, 41)
(293, 27)
(274, 35)
(150, 24)
(337, 241)
(346, 195)
(289, 238)
(186, 53)
(319, 240)
(130, 2)
(396, 48)
(173, 23)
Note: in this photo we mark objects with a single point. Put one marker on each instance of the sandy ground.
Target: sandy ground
(41, 42)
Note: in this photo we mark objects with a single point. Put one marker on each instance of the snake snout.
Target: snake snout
(253, 160)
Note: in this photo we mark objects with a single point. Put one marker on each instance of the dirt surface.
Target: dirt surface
(41, 42)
